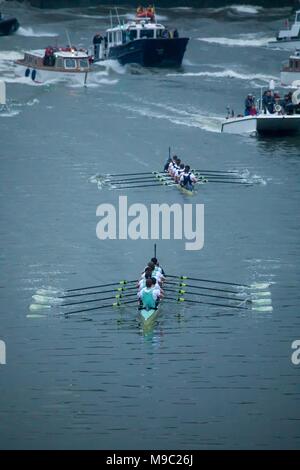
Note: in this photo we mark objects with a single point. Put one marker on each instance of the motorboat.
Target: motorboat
(55, 62)
(280, 119)
(141, 41)
(290, 72)
(288, 38)
(8, 25)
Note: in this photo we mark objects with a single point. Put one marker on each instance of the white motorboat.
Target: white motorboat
(263, 124)
(281, 121)
(290, 72)
(53, 62)
(288, 38)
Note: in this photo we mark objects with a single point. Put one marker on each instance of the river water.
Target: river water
(204, 377)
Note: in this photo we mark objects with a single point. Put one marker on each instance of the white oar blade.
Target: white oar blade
(35, 307)
(42, 299)
(49, 292)
(261, 301)
(263, 308)
(260, 285)
(35, 315)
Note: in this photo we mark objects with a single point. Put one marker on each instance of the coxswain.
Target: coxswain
(188, 179)
(148, 296)
(157, 265)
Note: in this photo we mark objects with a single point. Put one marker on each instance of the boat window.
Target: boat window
(298, 18)
(70, 63)
(132, 34)
(159, 33)
(146, 33)
(109, 37)
(83, 63)
(59, 62)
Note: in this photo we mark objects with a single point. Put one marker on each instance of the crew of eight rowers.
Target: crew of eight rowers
(150, 285)
(180, 173)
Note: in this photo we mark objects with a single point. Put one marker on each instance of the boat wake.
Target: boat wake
(29, 32)
(176, 116)
(243, 40)
(227, 73)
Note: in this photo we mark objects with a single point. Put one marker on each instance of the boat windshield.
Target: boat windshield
(147, 33)
(83, 63)
(70, 63)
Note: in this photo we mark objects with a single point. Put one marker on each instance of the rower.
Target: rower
(188, 179)
(172, 164)
(148, 296)
(179, 172)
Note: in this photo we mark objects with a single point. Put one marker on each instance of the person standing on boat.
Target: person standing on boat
(97, 40)
(148, 296)
(268, 102)
(249, 102)
(188, 179)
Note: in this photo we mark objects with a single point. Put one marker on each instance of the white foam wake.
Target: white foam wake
(248, 9)
(29, 32)
(228, 73)
(246, 40)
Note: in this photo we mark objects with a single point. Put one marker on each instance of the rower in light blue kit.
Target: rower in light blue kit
(149, 296)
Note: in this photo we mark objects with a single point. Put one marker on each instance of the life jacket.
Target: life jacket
(148, 299)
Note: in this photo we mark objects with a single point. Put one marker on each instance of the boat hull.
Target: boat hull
(151, 52)
(263, 124)
(148, 316)
(36, 75)
(8, 26)
(239, 125)
(287, 44)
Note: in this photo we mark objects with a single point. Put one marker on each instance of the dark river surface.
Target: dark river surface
(204, 377)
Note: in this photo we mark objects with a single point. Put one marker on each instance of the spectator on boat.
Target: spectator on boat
(253, 110)
(268, 102)
(97, 40)
(248, 104)
(287, 104)
(175, 34)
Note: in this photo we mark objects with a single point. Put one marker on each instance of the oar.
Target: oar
(115, 304)
(182, 299)
(245, 286)
(49, 292)
(182, 284)
(233, 172)
(146, 186)
(129, 174)
(119, 289)
(181, 291)
(230, 182)
(133, 180)
(117, 296)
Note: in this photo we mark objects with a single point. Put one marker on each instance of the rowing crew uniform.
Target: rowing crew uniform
(187, 180)
(149, 297)
(178, 173)
(173, 167)
(157, 274)
(156, 287)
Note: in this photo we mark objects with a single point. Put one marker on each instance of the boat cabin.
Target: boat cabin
(141, 28)
(66, 59)
(294, 63)
(292, 33)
